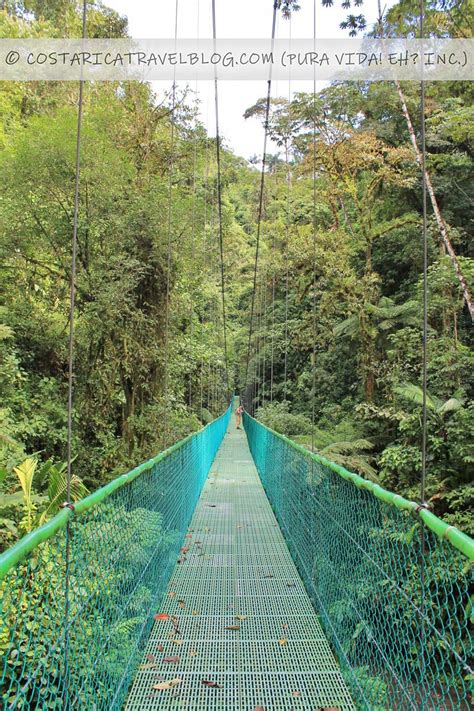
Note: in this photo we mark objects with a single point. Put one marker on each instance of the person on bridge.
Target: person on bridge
(238, 416)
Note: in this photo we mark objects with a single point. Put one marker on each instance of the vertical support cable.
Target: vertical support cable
(287, 241)
(425, 276)
(272, 346)
(204, 263)
(264, 363)
(262, 186)
(72, 301)
(258, 343)
(425, 338)
(313, 388)
(219, 203)
(193, 229)
(170, 229)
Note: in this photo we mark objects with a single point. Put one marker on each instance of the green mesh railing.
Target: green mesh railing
(389, 579)
(77, 596)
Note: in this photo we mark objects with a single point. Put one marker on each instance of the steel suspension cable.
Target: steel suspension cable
(72, 291)
(272, 346)
(425, 277)
(264, 364)
(204, 244)
(287, 241)
(72, 302)
(219, 205)
(261, 193)
(258, 344)
(193, 225)
(424, 366)
(273, 252)
(313, 388)
(170, 227)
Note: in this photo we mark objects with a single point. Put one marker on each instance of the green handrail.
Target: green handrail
(14, 554)
(78, 595)
(457, 538)
(390, 580)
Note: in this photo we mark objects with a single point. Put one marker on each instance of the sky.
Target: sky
(241, 19)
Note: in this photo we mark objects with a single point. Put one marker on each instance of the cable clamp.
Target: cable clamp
(67, 505)
(421, 506)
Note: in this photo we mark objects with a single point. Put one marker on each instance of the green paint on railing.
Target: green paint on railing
(122, 543)
(17, 552)
(391, 581)
(459, 540)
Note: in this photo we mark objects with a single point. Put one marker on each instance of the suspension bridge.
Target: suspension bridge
(236, 569)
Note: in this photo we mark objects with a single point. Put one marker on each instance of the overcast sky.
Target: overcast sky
(240, 19)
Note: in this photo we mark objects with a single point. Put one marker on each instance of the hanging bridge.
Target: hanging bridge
(195, 582)
(236, 569)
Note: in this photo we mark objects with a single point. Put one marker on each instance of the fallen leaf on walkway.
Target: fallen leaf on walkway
(233, 627)
(259, 708)
(171, 660)
(175, 623)
(150, 665)
(270, 575)
(296, 693)
(211, 684)
(182, 604)
(291, 585)
(193, 653)
(282, 641)
(189, 535)
(160, 648)
(171, 594)
(195, 612)
(284, 626)
(161, 616)
(150, 658)
(185, 549)
(163, 685)
(241, 617)
(177, 641)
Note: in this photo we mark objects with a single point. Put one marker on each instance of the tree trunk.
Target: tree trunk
(439, 218)
(434, 203)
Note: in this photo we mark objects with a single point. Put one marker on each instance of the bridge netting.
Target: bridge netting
(77, 596)
(388, 579)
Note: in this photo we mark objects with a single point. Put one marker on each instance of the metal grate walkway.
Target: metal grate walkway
(236, 572)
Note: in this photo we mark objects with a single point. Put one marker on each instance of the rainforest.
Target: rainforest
(335, 359)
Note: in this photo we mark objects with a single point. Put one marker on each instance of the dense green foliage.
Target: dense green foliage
(149, 365)
(149, 362)
(355, 328)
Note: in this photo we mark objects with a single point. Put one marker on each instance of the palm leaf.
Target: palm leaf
(348, 327)
(357, 445)
(413, 393)
(57, 489)
(25, 473)
(451, 405)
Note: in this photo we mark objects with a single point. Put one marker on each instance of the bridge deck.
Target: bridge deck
(238, 573)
